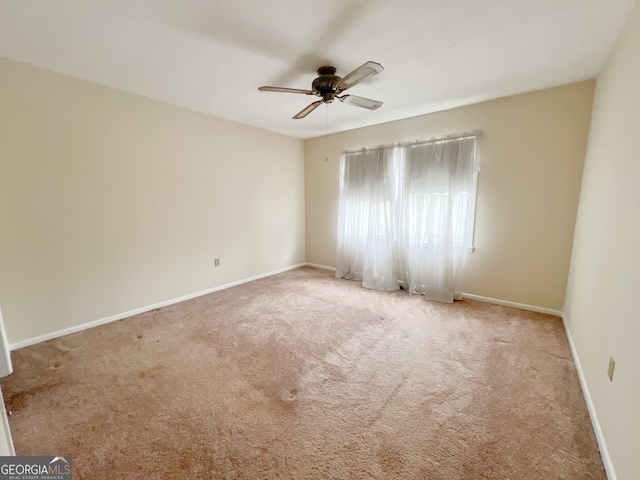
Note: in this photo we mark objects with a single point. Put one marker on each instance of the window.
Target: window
(406, 215)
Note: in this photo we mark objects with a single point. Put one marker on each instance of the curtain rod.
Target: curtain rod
(443, 139)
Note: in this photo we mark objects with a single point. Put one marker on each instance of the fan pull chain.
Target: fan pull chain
(326, 131)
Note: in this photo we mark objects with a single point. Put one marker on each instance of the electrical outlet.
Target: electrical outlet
(216, 262)
(612, 367)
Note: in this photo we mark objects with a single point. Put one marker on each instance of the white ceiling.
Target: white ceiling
(212, 55)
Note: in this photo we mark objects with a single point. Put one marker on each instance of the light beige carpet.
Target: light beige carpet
(303, 376)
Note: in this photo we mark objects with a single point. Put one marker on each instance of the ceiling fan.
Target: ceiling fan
(329, 86)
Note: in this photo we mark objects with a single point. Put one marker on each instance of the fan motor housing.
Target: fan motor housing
(327, 84)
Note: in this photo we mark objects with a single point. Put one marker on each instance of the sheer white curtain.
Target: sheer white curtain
(366, 219)
(405, 216)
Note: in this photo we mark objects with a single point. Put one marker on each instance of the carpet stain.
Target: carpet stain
(388, 400)
(55, 365)
(392, 460)
(15, 401)
(152, 373)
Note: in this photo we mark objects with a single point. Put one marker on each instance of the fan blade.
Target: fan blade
(307, 110)
(359, 74)
(286, 90)
(360, 102)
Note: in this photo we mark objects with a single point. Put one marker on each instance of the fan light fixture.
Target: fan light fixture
(329, 86)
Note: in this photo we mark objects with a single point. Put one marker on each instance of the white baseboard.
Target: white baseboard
(604, 451)
(506, 303)
(137, 311)
(323, 267)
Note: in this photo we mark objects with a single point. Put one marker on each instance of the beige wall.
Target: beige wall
(532, 154)
(604, 283)
(111, 201)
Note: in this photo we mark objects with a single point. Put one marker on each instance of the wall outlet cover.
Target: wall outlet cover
(612, 367)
